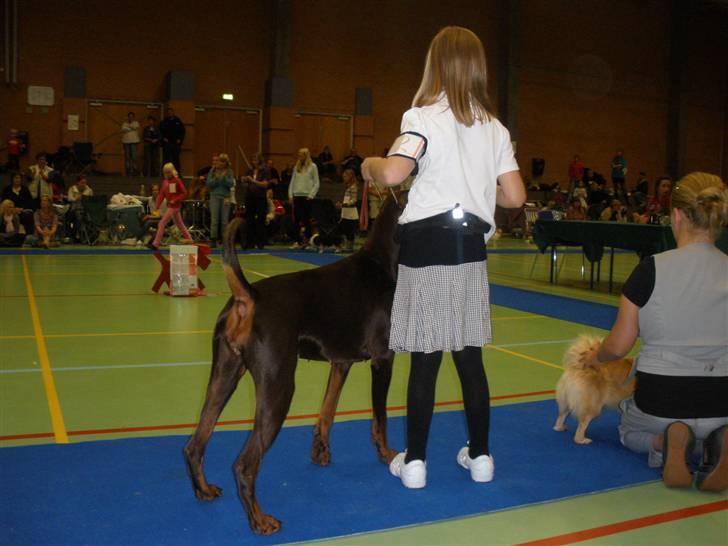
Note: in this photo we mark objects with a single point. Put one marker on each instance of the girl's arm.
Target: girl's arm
(181, 189)
(316, 183)
(623, 335)
(511, 192)
(389, 171)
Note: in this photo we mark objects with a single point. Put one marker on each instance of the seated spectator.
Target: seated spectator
(75, 197)
(46, 224)
(79, 190)
(349, 222)
(10, 224)
(676, 302)
(580, 193)
(58, 188)
(576, 210)
(616, 212)
(659, 203)
(19, 194)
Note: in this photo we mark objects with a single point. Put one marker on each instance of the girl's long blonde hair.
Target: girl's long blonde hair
(300, 167)
(455, 65)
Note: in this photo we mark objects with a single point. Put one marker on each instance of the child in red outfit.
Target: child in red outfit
(174, 191)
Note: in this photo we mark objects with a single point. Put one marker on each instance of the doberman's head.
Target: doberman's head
(382, 242)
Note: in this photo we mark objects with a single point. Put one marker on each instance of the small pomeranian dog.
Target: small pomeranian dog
(584, 390)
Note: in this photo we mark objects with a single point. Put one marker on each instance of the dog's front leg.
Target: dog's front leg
(320, 452)
(381, 378)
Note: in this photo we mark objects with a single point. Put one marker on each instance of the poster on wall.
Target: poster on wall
(73, 122)
(40, 95)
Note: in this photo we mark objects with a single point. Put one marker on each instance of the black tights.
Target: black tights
(421, 400)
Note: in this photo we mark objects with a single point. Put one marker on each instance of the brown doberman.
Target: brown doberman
(337, 313)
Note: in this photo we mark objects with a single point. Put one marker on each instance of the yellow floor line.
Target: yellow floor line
(54, 406)
(521, 355)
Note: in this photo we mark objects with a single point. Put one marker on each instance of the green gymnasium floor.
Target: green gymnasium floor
(88, 352)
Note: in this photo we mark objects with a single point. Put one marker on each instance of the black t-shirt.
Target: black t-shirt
(641, 282)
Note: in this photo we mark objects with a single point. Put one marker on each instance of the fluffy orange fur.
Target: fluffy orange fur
(585, 390)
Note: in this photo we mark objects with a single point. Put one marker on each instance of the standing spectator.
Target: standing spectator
(256, 204)
(465, 166)
(220, 180)
(130, 140)
(619, 173)
(151, 147)
(352, 161)
(303, 188)
(14, 146)
(40, 179)
(325, 162)
(10, 224)
(349, 215)
(576, 173)
(46, 223)
(172, 131)
(174, 191)
(20, 196)
(280, 190)
(273, 177)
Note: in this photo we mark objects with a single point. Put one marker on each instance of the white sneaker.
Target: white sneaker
(481, 468)
(413, 474)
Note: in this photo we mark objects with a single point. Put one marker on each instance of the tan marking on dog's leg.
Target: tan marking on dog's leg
(320, 453)
(381, 378)
(579, 437)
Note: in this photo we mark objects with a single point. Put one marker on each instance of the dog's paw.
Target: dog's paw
(583, 441)
(320, 455)
(386, 455)
(559, 428)
(266, 525)
(211, 492)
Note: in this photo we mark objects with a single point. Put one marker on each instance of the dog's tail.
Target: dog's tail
(582, 351)
(240, 319)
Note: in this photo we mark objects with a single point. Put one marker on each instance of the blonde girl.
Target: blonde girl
(302, 190)
(465, 166)
(174, 191)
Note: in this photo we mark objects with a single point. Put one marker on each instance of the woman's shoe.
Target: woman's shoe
(678, 443)
(712, 473)
(152, 246)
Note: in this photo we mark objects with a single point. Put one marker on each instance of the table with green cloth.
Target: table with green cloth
(593, 237)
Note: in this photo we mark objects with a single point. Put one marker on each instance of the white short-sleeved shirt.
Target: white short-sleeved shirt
(456, 164)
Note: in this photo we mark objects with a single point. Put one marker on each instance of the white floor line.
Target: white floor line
(207, 362)
(111, 367)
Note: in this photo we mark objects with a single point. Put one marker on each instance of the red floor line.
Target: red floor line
(149, 428)
(630, 525)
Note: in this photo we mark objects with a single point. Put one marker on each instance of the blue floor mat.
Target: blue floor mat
(136, 491)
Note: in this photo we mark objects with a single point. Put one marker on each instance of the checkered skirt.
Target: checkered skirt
(441, 308)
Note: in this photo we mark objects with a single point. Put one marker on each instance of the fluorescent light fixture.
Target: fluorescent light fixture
(227, 96)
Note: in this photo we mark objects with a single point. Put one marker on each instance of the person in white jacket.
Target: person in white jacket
(130, 139)
(302, 190)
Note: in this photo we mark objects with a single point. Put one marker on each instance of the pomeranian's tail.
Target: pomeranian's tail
(582, 351)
